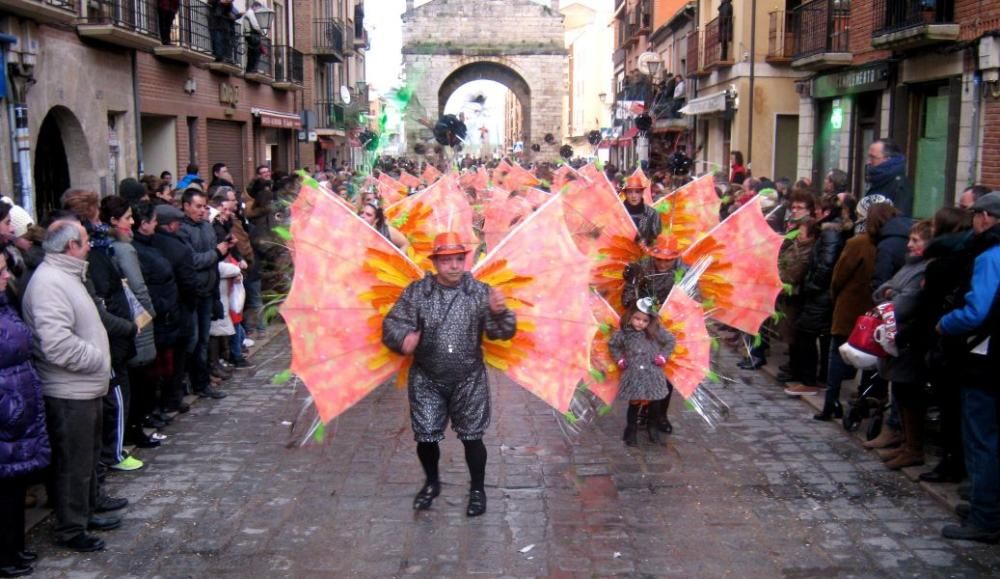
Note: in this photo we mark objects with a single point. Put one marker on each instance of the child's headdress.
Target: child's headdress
(647, 306)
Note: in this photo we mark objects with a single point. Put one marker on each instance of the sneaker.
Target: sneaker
(802, 390)
(106, 503)
(244, 364)
(130, 463)
(248, 342)
(83, 543)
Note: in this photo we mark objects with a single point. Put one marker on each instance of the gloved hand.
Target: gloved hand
(659, 360)
(622, 364)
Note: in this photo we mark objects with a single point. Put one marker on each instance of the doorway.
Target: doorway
(786, 146)
(51, 168)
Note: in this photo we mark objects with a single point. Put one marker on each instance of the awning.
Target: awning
(328, 143)
(630, 134)
(277, 119)
(708, 104)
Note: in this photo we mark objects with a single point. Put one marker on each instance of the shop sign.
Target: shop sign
(229, 94)
(857, 80)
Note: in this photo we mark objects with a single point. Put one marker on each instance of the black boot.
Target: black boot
(652, 425)
(663, 422)
(949, 470)
(631, 426)
(829, 412)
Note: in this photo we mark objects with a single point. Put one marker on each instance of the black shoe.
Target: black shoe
(153, 422)
(653, 430)
(180, 408)
(97, 523)
(785, 377)
(828, 413)
(969, 532)
(105, 504)
(784, 368)
(19, 570)
(210, 392)
(752, 364)
(27, 556)
(665, 426)
(146, 442)
(963, 510)
(426, 496)
(83, 543)
(163, 417)
(243, 364)
(949, 470)
(630, 436)
(477, 503)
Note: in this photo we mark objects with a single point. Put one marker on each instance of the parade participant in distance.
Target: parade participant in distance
(646, 219)
(372, 215)
(441, 320)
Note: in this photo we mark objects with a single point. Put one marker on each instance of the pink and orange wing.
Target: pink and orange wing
(690, 212)
(501, 213)
(409, 180)
(741, 282)
(544, 278)
(690, 361)
(603, 377)
(347, 276)
(440, 208)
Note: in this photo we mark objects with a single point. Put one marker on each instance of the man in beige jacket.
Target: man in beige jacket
(73, 360)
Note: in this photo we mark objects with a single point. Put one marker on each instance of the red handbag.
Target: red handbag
(863, 335)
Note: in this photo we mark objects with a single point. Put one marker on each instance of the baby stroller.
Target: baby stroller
(870, 404)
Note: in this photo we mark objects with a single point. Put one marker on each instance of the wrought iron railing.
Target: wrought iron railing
(287, 65)
(822, 26)
(890, 16)
(190, 27)
(329, 114)
(265, 60)
(67, 5)
(328, 35)
(133, 15)
(718, 49)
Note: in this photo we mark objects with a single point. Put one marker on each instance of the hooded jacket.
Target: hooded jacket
(890, 249)
(205, 257)
(69, 343)
(889, 179)
(24, 442)
(816, 315)
(159, 275)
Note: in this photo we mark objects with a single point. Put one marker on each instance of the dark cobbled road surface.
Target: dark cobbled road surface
(770, 493)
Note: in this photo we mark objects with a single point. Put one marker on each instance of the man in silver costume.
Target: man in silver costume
(441, 320)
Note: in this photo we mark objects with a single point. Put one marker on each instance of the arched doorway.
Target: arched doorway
(61, 159)
(499, 73)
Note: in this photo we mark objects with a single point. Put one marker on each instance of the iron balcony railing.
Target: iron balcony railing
(287, 65)
(330, 114)
(822, 26)
(265, 62)
(328, 35)
(190, 28)
(717, 51)
(67, 5)
(781, 35)
(133, 15)
(894, 15)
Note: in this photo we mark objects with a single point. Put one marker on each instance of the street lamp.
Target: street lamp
(265, 16)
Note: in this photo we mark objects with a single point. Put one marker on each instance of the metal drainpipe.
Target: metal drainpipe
(138, 115)
(977, 87)
(753, 59)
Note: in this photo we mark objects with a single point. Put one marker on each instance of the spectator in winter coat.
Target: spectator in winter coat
(977, 321)
(793, 259)
(190, 178)
(816, 314)
(886, 175)
(73, 359)
(24, 442)
(181, 259)
(891, 232)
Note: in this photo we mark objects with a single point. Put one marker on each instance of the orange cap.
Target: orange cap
(665, 248)
(448, 243)
(634, 182)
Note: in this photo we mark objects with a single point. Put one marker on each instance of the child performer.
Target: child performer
(641, 348)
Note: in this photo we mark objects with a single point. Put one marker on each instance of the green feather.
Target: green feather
(282, 377)
(570, 417)
(282, 232)
(712, 375)
(758, 340)
(599, 164)
(597, 375)
(715, 345)
(662, 207)
(320, 432)
(603, 409)
(791, 235)
(605, 328)
(678, 275)
(788, 288)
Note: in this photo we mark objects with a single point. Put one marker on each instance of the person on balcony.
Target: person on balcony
(254, 36)
(221, 19)
(166, 10)
(680, 96)
(725, 28)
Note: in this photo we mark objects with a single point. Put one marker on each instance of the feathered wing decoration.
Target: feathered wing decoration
(544, 278)
(430, 174)
(563, 175)
(604, 232)
(500, 174)
(691, 211)
(740, 261)
(409, 180)
(536, 197)
(477, 180)
(440, 208)
(518, 178)
(347, 276)
(391, 190)
(690, 362)
(603, 377)
(501, 212)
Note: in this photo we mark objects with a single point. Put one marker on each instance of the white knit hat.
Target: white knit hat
(20, 219)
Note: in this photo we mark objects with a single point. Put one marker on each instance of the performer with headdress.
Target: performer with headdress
(646, 219)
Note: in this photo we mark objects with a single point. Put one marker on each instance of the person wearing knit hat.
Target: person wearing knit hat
(20, 219)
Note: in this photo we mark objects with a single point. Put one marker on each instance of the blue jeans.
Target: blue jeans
(236, 343)
(255, 301)
(197, 347)
(981, 440)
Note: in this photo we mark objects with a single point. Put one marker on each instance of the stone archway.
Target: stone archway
(61, 158)
(487, 70)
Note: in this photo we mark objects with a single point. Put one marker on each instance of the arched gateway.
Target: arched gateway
(517, 43)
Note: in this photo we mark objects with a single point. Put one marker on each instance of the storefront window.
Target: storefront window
(932, 148)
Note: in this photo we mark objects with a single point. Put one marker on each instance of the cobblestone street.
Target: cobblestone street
(771, 493)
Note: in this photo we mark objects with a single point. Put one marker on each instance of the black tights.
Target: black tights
(429, 454)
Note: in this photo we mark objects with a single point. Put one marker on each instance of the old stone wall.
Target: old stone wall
(522, 40)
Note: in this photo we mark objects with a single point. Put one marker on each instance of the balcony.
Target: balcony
(57, 11)
(328, 40)
(822, 35)
(693, 53)
(233, 50)
(642, 19)
(329, 115)
(190, 40)
(718, 49)
(264, 71)
(287, 68)
(906, 24)
(128, 23)
(780, 37)
(618, 57)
